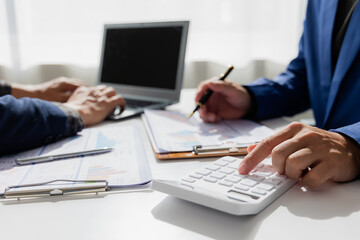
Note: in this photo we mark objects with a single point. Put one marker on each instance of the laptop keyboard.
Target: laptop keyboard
(133, 103)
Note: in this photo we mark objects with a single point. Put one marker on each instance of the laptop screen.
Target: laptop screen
(142, 56)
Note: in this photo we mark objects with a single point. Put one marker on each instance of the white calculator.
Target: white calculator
(218, 185)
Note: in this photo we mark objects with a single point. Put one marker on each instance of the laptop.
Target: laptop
(144, 62)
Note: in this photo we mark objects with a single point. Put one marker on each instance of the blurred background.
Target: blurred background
(44, 39)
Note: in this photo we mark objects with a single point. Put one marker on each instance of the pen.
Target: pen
(210, 92)
(40, 159)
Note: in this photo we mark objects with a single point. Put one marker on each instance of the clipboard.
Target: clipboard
(178, 137)
(200, 151)
(57, 187)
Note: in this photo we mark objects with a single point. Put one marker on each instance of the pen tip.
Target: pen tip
(190, 115)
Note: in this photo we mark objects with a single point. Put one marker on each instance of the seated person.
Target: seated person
(29, 118)
(324, 76)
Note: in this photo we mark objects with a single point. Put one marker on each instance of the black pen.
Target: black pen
(210, 92)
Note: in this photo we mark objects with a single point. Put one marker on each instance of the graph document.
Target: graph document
(125, 165)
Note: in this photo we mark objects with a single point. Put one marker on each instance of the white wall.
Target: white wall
(41, 38)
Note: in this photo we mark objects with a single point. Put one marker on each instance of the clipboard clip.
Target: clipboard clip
(56, 188)
(226, 148)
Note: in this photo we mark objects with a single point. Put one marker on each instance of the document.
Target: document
(174, 132)
(126, 165)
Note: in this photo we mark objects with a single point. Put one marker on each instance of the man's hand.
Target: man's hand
(94, 104)
(229, 100)
(307, 153)
(57, 90)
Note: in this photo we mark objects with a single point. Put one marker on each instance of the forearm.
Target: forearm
(18, 90)
(27, 123)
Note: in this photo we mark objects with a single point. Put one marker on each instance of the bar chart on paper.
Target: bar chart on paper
(126, 165)
(177, 133)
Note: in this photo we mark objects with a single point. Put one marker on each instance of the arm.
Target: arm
(309, 154)
(58, 90)
(288, 91)
(27, 123)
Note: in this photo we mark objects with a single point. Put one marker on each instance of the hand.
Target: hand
(229, 100)
(307, 153)
(57, 90)
(94, 103)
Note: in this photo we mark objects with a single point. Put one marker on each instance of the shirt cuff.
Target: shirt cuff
(253, 104)
(74, 123)
(5, 88)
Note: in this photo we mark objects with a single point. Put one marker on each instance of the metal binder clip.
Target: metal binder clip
(56, 188)
(230, 148)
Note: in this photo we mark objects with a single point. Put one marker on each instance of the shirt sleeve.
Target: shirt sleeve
(28, 123)
(74, 121)
(5, 88)
(286, 95)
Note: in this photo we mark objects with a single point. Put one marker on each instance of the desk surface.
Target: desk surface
(330, 212)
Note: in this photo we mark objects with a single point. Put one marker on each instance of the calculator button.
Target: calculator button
(265, 174)
(195, 175)
(258, 191)
(266, 187)
(209, 179)
(188, 179)
(234, 165)
(256, 177)
(233, 179)
(241, 187)
(212, 167)
(221, 163)
(248, 182)
(278, 176)
(227, 170)
(218, 175)
(229, 159)
(237, 174)
(273, 181)
(225, 183)
(203, 172)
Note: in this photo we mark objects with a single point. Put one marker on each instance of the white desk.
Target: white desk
(331, 212)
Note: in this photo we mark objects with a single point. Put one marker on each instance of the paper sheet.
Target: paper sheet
(126, 165)
(174, 132)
